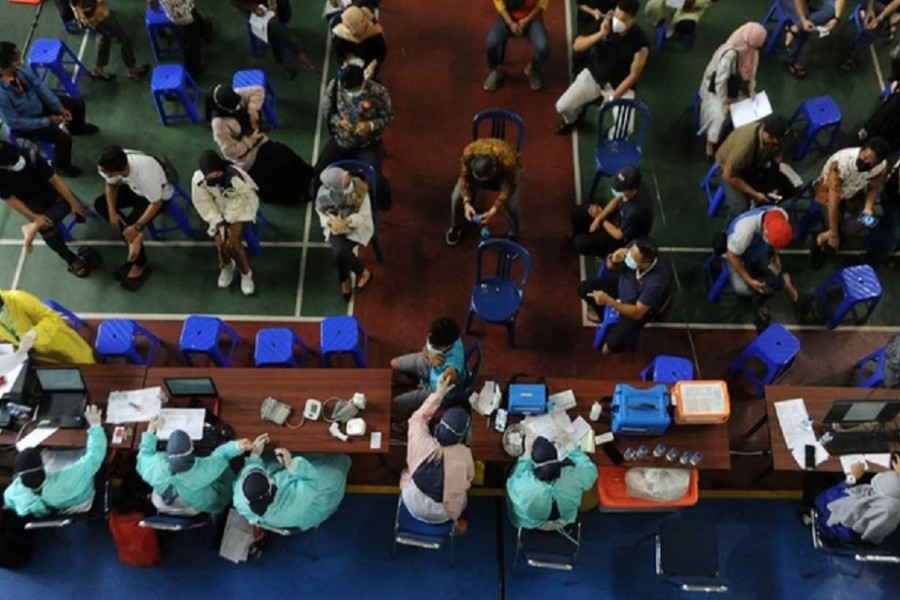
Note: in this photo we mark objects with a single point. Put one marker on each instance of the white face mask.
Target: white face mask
(110, 179)
(18, 166)
(618, 25)
(349, 189)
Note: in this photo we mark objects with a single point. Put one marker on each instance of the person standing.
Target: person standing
(193, 27)
(96, 16)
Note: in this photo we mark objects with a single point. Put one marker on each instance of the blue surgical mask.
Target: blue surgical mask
(630, 262)
(354, 95)
(110, 179)
(431, 349)
(617, 193)
(18, 166)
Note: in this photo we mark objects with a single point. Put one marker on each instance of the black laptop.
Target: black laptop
(61, 397)
(864, 426)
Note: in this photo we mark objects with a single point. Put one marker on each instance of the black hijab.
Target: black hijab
(226, 103)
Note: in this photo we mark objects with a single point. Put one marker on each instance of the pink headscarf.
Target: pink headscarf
(747, 39)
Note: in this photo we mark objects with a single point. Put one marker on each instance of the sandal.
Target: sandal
(98, 75)
(138, 73)
(361, 286)
(121, 271)
(346, 290)
(78, 268)
(796, 69)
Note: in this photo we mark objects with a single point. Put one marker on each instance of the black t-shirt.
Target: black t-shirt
(610, 59)
(585, 20)
(31, 185)
(650, 290)
(635, 217)
(373, 48)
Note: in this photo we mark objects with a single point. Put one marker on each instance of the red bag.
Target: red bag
(136, 545)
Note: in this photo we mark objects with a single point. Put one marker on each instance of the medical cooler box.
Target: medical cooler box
(640, 412)
(527, 399)
(701, 402)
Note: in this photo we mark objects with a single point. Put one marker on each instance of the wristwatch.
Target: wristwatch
(138, 226)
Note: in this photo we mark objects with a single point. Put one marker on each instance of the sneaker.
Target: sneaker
(493, 80)
(564, 128)
(226, 275)
(534, 78)
(247, 285)
(453, 236)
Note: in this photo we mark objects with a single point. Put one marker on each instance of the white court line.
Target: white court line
(749, 326)
(878, 72)
(18, 273)
(181, 317)
(172, 243)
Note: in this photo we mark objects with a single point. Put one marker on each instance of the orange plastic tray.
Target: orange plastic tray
(24, 1)
(614, 494)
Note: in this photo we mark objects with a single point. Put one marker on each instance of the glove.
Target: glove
(284, 457)
(259, 445)
(443, 385)
(92, 415)
(244, 444)
(153, 425)
(26, 342)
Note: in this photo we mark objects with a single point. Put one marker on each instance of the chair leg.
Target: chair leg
(469, 319)
(511, 333)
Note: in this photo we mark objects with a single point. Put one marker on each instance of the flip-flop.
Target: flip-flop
(360, 288)
(797, 70)
(102, 76)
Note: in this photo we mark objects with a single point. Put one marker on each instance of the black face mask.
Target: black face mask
(216, 181)
(862, 166)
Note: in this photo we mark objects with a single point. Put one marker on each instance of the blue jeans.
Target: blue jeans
(500, 32)
(818, 11)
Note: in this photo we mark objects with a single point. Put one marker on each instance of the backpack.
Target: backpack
(15, 540)
(136, 545)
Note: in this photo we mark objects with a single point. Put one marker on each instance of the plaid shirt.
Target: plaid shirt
(508, 167)
(373, 105)
(179, 11)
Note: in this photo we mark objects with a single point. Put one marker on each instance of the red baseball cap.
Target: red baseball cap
(778, 231)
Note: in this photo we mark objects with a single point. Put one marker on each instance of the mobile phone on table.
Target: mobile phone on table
(810, 457)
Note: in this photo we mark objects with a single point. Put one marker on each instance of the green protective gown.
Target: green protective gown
(530, 499)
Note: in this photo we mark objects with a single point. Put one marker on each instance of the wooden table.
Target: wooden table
(711, 440)
(243, 390)
(101, 379)
(818, 401)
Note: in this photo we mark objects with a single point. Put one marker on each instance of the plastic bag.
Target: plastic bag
(136, 545)
(660, 485)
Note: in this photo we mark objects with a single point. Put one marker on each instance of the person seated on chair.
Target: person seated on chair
(225, 197)
(345, 213)
(193, 28)
(847, 189)
(356, 111)
(184, 484)
(491, 163)
(806, 16)
(285, 49)
(853, 512)
(30, 325)
(296, 492)
(439, 466)
(873, 16)
(520, 18)
(753, 242)
(30, 186)
(627, 216)
(590, 14)
(729, 77)
(544, 489)
(34, 492)
(138, 183)
(885, 237)
(443, 354)
(618, 52)
(283, 177)
(32, 111)
(680, 22)
(743, 158)
(358, 36)
(636, 284)
(96, 16)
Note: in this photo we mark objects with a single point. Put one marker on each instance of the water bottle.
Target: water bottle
(485, 232)
(629, 454)
(672, 455)
(642, 452)
(659, 451)
(696, 458)
(686, 457)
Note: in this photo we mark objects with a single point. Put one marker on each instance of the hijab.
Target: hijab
(357, 19)
(29, 468)
(452, 427)
(547, 464)
(747, 40)
(180, 452)
(228, 104)
(259, 491)
(333, 198)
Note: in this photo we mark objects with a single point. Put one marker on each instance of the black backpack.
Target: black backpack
(15, 540)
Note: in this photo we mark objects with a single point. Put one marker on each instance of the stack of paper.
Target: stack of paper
(189, 420)
(750, 111)
(559, 428)
(237, 539)
(794, 421)
(133, 406)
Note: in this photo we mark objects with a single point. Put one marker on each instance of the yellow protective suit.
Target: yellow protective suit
(56, 342)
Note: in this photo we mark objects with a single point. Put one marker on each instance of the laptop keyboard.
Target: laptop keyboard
(858, 442)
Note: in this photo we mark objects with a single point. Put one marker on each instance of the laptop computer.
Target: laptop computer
(863, 411)
(191, 387)
(61, 396)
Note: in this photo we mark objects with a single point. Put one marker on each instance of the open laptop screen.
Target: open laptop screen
(60, 379)
(863, 411)
(190, 386)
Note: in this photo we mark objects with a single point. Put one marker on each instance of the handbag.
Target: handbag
(136, 545)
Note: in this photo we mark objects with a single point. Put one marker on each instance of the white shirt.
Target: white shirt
(745, 228)
(852, 180)
(146, 177)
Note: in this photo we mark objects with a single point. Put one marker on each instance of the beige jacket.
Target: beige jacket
(240, 149)
(237, 204)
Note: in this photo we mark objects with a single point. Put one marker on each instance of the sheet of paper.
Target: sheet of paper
(35, 437)
(702, 398)
(880, 459)
(750, 111)
(11, 362)
(799, 454)
(561, 401)
(9, 379)
(542, 426)
(677, 4)
(848, 460)
(582, 428)
(791, 417)
(259, 26)
(133, 406)
(189, 420)
(237, 539)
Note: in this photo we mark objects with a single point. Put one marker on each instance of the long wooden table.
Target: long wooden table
(101, 379)
(711, 440)
(243, 390)
(818, 400)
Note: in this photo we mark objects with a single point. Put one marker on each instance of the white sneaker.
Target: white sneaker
(226, 275)
(247, 285)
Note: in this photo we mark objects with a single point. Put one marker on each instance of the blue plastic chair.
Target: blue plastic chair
(343, 335)
(661, 37)
(859, 287)
(715, 268)
(46, 149)
(409, 531)
(48, 56)
(371, 177)
(715, 194)
(497, 298)
(499, 120)
(258, 77)
(65, 228)
(165, 37)
(822, 115)
(275, 347)
(622, 148)
(202, 334)
(257, 46)
(775, 348)
(781, 19)
(178, 208)
(856, 19)
(668, 369)
(171, 82)
(118, 338)
(610, 317)
(74, 320)
(253, 233)
(874, 379)
(473, 358)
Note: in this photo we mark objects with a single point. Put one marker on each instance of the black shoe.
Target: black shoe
(564, 128)
(90, 257)
(78, 268)
(816, 254)
(453, 235)
(86, 129)
(121, 271)
(70, 171)
(133, 284)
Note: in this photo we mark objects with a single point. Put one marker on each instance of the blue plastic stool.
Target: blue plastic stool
(716, 283)
(668, 369)
(253, 233)
(858, 285)
(857, 21)
(343, 335)
(174, 82)
(776, 348)
(65, 228)
(781, 20)
(119, 337)
(661, 38)
(258, 77)
(257, 46)
(610, 317)
(177, 207)
(822, 116)
(46, 149)
(876, 378)
(74, 320)
(201, 334)
(714, 197)
(275, 347)
(165, 37)
(53, 56)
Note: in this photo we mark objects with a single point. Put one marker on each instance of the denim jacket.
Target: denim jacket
(27, 110)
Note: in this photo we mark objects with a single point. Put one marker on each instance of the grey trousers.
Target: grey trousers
(416, 366)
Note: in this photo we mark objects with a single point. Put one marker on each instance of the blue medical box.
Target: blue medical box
(640, 412)
(527, 399)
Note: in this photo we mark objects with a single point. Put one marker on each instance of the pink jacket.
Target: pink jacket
(227, 132)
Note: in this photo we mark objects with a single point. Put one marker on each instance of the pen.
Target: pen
(135, 406)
